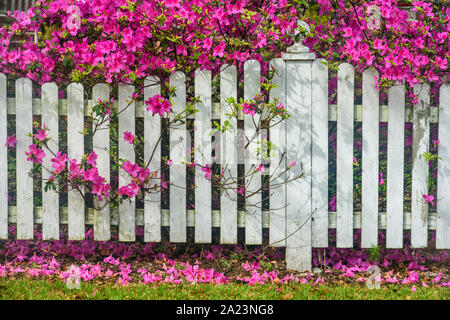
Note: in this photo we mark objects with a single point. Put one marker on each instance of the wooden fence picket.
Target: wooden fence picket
(344, 159)
(419, 183)
(395, 165)
(102, 217)
(179, 151)
(127, 209)
(228, 155)
(319, 173)
(24, 181)
(443, 195)
(370, 151)
(50, 199)
(3, 159)
(253, 194)
(152, 145)
(277, 230)
(202, 153)
(75, 150)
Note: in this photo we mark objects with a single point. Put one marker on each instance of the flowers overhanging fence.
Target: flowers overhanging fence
(296, 213)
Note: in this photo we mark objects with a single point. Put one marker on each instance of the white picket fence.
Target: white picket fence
(21, 5)
(304, 220)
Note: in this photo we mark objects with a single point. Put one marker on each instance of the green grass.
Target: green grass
(41, 289)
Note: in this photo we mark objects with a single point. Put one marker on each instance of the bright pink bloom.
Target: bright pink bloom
(381, 180)
(429, 199)
(35, 154)
(91, 159)
(59, 162)
(11, 141)
(41, 134)
(128, 136)
(207, 170)
(158, 104)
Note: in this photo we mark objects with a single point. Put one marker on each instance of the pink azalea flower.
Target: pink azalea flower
(218, 51)
(41, 134)
(91, 159)
(109, 273)
(207, 170)
(59, 162)
(163, 183)
(261, 168)
(11, 141)
(128, 136)
(438, 278)
(429, 199)
(435, 142)
(35, 154)
(248, 108)
(381, 180)
(318, 281)
(158, 104)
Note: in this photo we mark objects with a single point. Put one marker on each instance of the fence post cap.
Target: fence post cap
(298, 51)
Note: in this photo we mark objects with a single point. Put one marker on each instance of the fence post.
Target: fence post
(298, 77)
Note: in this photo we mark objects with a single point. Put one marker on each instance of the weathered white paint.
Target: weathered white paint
(344, 161)
(298, 145)
(100, 143)
(443, 194)
(277, 231)
(202, 152)
(370, 151)
(152, 145)
(50, 199)
(228, 155)
(23, 166)
(253, 194)
(75, 148)
(319, 177)
(3, 159)
(127, 209)
(179, 150)
(395, 167)
(419, 183)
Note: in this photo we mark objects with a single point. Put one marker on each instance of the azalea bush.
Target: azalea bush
(382, 35)
(125, 41)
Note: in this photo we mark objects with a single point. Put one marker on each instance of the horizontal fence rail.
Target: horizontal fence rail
(303, 89)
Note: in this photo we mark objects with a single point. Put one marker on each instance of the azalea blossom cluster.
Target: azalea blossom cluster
(140, 177)
(79, 175)
(124, 41)
(158, 105)
(379, 33)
